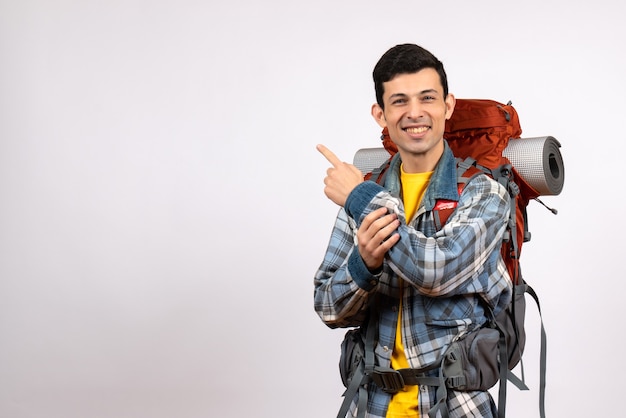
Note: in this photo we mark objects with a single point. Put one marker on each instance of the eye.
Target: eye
(398, 101)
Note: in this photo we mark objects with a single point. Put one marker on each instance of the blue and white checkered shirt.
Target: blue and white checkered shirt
(445, 275)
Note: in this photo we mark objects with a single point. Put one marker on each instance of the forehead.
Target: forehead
(426, 79)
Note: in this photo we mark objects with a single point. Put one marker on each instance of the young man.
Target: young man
(429, 286)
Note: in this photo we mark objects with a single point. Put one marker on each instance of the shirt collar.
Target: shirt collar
(443, 183)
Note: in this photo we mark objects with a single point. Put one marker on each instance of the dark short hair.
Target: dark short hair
(405, 59)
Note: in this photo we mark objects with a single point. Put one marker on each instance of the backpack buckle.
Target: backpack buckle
(388, 380)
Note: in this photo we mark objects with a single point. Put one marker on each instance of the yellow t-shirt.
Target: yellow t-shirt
(404, 404)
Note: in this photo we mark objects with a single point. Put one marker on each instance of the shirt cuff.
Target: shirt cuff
(360, 197)
(361, 275)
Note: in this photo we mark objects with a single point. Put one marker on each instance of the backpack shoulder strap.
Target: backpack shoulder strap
(379, 174)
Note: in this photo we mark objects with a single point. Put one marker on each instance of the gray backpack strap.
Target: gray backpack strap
(507, 375)
(542, 356)
(361, 377)
(379, 174)
(351, 391)
(370, 362)
(441, 406)
(462, 165)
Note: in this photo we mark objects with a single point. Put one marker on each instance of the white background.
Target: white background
(161, 203)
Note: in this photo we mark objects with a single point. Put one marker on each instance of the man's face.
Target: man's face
(415, 114)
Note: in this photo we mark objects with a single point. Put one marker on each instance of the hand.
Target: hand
(376, 236)
(341, 178)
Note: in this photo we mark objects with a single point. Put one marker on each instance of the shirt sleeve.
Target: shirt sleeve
(343, 283)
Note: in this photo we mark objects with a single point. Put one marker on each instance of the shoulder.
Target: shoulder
(484, 184)
(484, 196)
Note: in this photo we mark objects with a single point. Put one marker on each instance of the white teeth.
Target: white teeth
(417, 130)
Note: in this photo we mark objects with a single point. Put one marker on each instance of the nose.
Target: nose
(415, 109)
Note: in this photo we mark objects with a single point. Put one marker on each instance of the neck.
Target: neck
(421, 162)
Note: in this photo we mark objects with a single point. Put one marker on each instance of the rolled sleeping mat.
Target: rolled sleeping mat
(538, 160)
(369, 159)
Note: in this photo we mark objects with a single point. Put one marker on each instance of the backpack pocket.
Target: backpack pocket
(471, 363)
(352, 353)
(511, 321)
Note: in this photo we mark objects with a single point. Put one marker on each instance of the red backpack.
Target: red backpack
(478, 133)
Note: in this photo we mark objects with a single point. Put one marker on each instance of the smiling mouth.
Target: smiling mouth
(417, 130)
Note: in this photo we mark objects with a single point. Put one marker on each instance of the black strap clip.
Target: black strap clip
(387, 379)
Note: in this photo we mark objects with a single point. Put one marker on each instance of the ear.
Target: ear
(379, 115)
(450, 102)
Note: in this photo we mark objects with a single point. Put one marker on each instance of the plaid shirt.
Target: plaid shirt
(445, 273)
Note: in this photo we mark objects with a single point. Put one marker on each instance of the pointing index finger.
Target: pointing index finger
(329, 155)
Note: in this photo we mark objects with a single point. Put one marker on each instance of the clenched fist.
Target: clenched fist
(341, 178)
